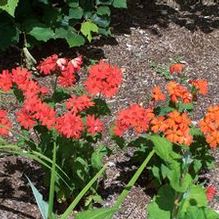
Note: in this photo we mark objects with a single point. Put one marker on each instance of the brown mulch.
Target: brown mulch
(144, 34)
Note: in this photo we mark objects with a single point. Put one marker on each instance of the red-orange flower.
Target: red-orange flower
(94, 125)
(178, 92)
(5, 124)
(103, 79)
(5, 81)
(69, 125)
(177, 68)
(25, 119)
(209, 125)
(78, 104)
(157, 94)
(48, 65)
(211, 191)
(134, 117)
(201, 86)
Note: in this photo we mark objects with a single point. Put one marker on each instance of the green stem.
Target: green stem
(82, 193)
(128, 187)
(52, 183)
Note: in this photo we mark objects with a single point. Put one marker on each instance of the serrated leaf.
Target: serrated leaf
(9, 6)
(103, 10)
(75, 13)
(120, 3)
(87, 28)
(42, 205)
(102, 213)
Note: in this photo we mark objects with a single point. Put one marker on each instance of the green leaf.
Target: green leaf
(178, 182)
(97, 157)
(101, 213)
(73, 3)
(103, 10)
(211, 214)
(42, 33)
(88, 27)
(42, 205)
(160, 206)
(75, 13)
(104, 2)
(9, 6)
(194, 196)
(120, 3)
(74, 39)
(162, 147)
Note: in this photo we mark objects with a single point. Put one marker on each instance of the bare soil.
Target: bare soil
(146, 33)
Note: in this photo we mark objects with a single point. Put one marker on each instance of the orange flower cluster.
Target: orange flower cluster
(176, 68)
(201, 86)
(175, 127)
(157, 94)
(209, 125)
(178, 92)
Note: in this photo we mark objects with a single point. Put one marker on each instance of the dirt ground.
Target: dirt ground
(146, 33)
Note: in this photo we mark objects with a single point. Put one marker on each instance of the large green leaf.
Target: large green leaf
(178, 182)
(74, 39)
(76, 13)
(103, 10)
(162, 147)
(87, 28)
(120, 3)
(160, 206)
(9, 6)
(101, 213)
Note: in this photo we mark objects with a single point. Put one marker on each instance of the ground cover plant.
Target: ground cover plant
(61, 131)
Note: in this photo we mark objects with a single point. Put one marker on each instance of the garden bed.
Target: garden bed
(142, 37)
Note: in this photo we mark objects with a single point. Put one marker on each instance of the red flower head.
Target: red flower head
(103, 79)
(48, 65)
(177, 68)
(5, 80)
(78, 104)
(25, 119)
(21, 77)
(211, 191)
(69, 125)
(134, 117)
(93, 125)
(5, 124)
(66, 79)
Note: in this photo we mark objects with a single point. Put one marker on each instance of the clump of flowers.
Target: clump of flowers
(5, 124)
(178, 92)
(175, 127)
(103, 79)
(134, 117)
(209, 125)
(177, 68)
(157, 94)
